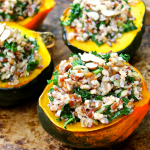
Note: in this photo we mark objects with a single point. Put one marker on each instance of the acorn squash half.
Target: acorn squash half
(99, 136)
(34, 22)
(35, 82)
(127, 44)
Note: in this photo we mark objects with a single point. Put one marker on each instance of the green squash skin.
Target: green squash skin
(131, 49)
(64, 135)
(27, 92)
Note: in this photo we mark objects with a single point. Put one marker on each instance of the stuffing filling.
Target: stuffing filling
(18, 10)
(102, 21)
(93, 88)
(18, 55)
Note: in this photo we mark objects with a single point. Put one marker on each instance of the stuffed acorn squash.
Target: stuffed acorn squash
(104, 25)
(93, 100)
(25, 12)
(25, 62)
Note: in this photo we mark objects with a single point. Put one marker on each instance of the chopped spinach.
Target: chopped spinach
(58, 119)
(130, 79)
(11, 46)
(96, 71)
(99, 97)
(132, 70)
(126, 57)
(111, 93)
(132, 96)
(106, 56)
(71, 121)
(72, 54)
(129, 26)
(99, 24)
(85, 94)
(125, 101)
(51, 90)
(124, 111)
(36, 10)
(51, 98)
(55, 79)
(76, 12)
(66, 114)
(32, 65)
(119, 94)
(108, 110)
(2, 55)
(126, 1)
(95, 53)
(77, 62)
(3, 63)
(88, 10)
(95, 40)
(5, 80)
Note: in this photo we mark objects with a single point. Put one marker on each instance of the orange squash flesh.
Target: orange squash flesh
(34, 22)
(99, 136)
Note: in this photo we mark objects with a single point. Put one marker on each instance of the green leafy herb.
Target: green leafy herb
(129, 26)
(99, 97)
(66, 114)
(106, 56)
(32, 65)
(3, 63)
(69, 72)
(51, 98)
(125, 101)
(111, 93)
(70, 121)
(59, 119)
(132, 96)
(2, 55)
(108, 111)
(76, 12)
(77, 62)
(109, 34)
(130, 79)
(99, 24)
(4, 80)
(11, 46)
(88, 10)
(95, 53)
(36, 10)
(9, 16)
(126, 1)
(85, 94)
(51, 90)
(72, 54)
(126, 57)
(55, 79)
(95, 40)
(67, 122)
(129, 8)
(24, 55)
(20, 4)
(124, 111)
(101, 110)
(98, 70)
(25, 36)
(119, 94)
